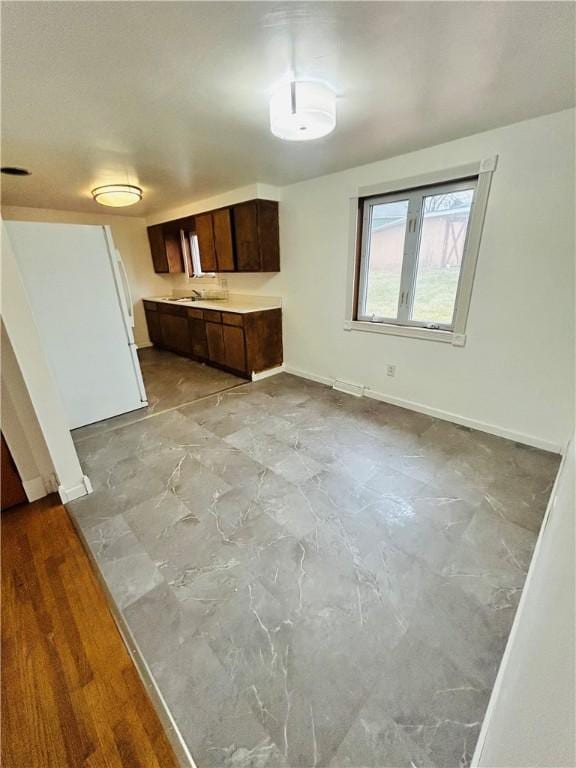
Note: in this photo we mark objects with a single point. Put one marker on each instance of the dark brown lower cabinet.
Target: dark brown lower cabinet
(175, 333)
(234, 348)
(215, 339)
(241, 343)
(198, 340)
(263, 334)
(154, 330)
(226, 346)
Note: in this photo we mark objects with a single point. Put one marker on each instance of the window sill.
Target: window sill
(429, 334)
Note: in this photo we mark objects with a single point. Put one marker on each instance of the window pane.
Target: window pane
(444, 226)
(385, 254)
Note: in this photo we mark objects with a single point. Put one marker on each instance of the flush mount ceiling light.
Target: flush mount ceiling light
(301, 111)
(117, 195)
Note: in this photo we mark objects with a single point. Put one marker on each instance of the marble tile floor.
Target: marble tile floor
(170, 380)
(315, 579)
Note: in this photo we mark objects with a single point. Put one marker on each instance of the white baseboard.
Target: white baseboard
(144, 346)
(309, 376)
(76, 491)
(481, 426)
(266, 374)
(492, 429)
(35, 489)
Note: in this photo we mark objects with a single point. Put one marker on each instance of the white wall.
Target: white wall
(238, 195)
(21, 429)
(130, 237)
(531, 719)
(515, 374)
(20, 327)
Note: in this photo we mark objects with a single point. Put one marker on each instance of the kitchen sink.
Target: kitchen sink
(182, 298)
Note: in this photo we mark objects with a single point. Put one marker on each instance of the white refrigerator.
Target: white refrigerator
(80, 300)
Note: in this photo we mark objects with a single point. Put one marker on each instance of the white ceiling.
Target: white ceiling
(174, 96)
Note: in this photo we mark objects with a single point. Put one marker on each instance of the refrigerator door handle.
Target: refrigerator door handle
(126, 287)
(122, 286)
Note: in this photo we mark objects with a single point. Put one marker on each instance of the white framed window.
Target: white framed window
(416, 252)
(191, 253)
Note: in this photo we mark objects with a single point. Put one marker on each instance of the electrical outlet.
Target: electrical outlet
(390, 370)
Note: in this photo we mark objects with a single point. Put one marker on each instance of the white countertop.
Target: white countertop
(240, 304)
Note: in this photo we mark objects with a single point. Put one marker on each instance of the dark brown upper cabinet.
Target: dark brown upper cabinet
(214, 233)
(257, 237)
(205, 235)
(166, 249)
(223, 240)
(240, 238)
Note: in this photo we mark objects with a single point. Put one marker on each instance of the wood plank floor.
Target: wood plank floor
(71, 695)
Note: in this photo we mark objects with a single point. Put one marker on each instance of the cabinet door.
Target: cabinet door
(215, 340)
(173, 248)
(175, 333)
(166, 249)
(268, 235)
(246, 236)
(153, 323)
(234, 347)
(222, 224)
(198, 343)
(263, 335)
(205, 235)
(156, 240)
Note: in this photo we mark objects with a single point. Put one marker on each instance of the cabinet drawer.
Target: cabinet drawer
(172, 309)
(197, 314)
(231, 318)
(212, 317)
(150, 306)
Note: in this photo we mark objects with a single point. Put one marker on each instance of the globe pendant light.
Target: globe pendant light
(117, 195)
(302, 111)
